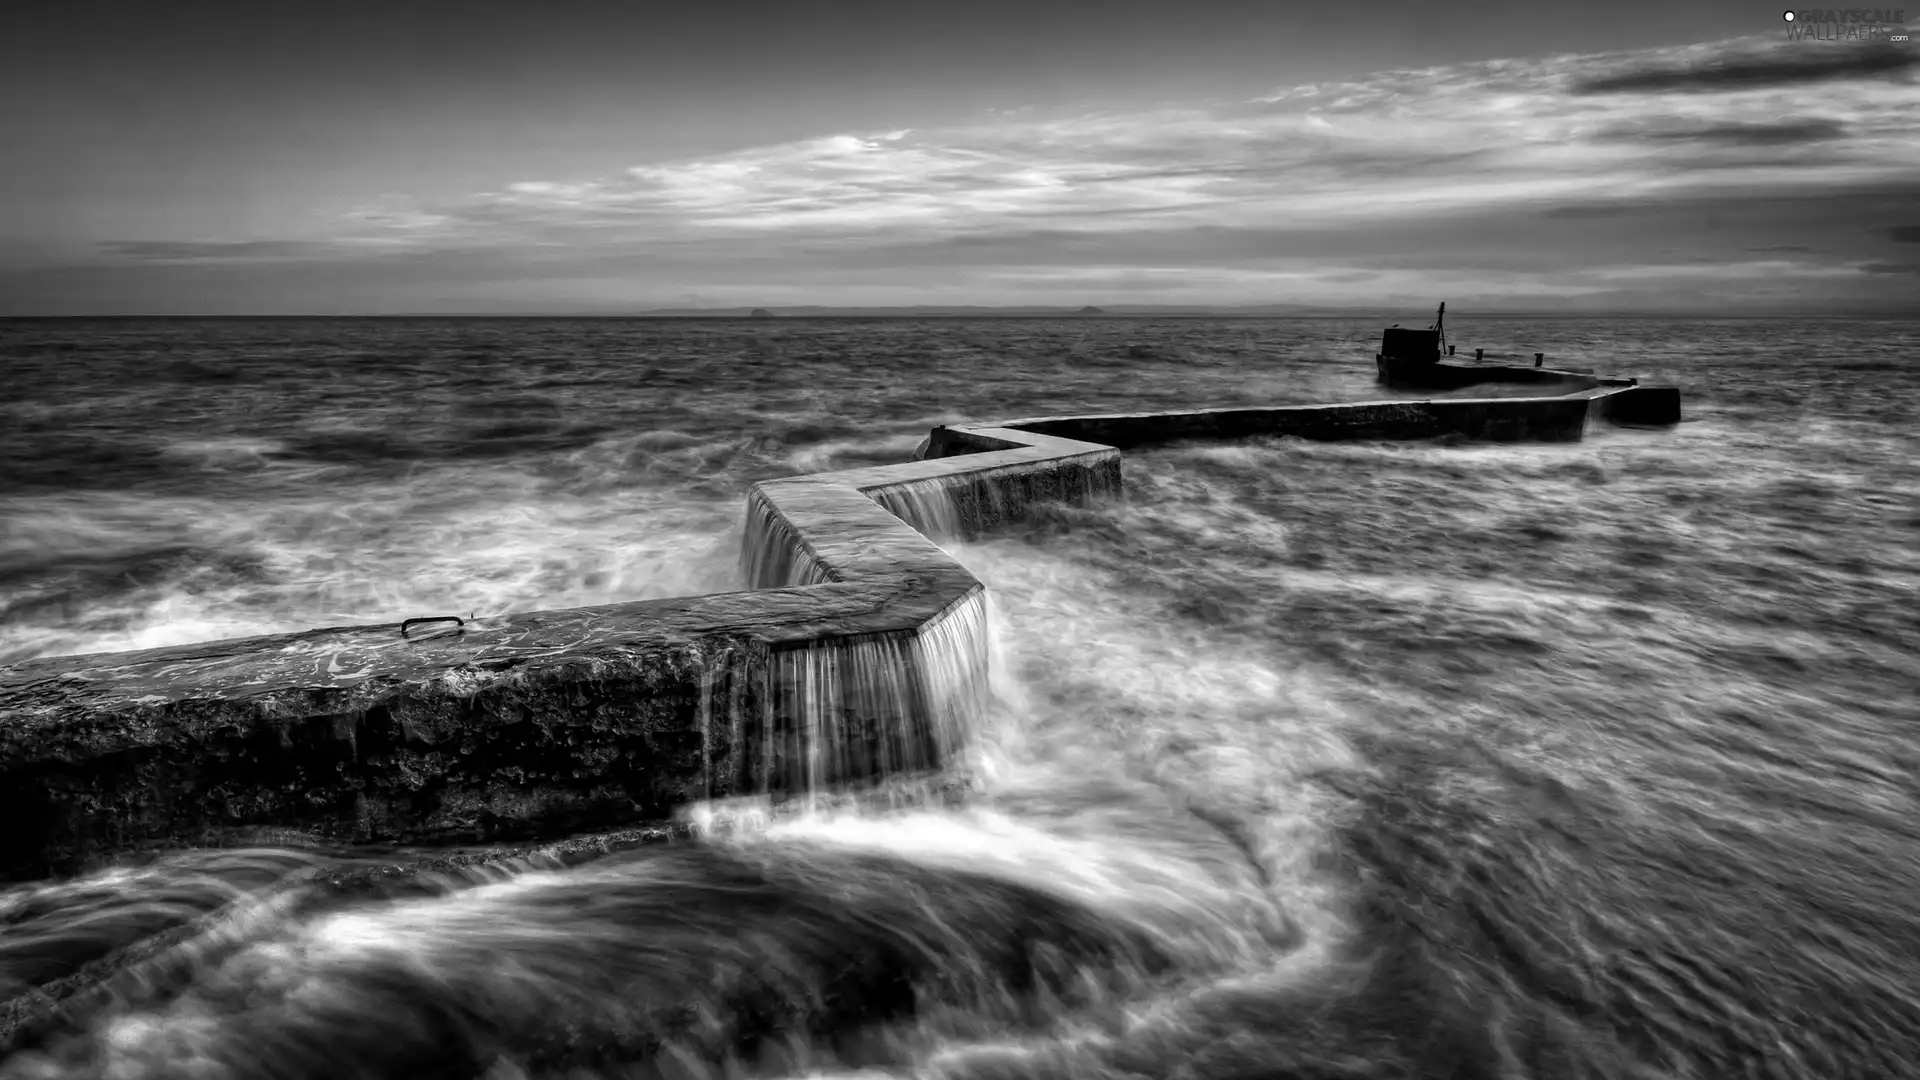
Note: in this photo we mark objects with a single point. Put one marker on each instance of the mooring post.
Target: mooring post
(1538, 357)
(1449, 350)
(1477, 352)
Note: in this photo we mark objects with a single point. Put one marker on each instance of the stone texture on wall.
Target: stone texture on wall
(1402, 375)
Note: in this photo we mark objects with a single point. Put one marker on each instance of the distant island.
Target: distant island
(1398, 311)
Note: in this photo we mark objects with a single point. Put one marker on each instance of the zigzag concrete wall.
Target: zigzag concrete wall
(858, 650)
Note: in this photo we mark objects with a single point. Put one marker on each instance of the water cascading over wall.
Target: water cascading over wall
(858, 651)
(850, 707)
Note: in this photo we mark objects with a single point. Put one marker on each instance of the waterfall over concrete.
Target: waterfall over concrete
(773, 555)
(851, 709)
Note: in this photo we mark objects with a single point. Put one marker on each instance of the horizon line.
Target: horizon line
(982, 312)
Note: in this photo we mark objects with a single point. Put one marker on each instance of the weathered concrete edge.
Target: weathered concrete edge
(1559, 417)
(1415, 375)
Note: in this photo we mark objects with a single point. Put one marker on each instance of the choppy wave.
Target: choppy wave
(1354, 760)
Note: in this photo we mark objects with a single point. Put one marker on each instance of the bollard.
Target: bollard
(1449, 350)
(1477, 352)
(1538, 357)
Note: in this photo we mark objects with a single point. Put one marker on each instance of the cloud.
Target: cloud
(1402, 144)
(1702, 71)
(1536, 177)
(1779, 133)
(197, 251)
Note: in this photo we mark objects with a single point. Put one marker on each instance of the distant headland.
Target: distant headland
(1491, 309)
(986, 311)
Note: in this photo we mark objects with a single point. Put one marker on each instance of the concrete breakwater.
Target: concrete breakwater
(1410, 375)
(858, 650)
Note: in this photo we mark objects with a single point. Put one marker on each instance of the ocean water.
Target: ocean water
(1309, 760)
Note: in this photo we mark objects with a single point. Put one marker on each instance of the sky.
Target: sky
(576, 158)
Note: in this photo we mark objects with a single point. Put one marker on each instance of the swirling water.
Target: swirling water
(1354, 760)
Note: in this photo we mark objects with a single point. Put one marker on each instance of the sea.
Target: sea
(1433, 759)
